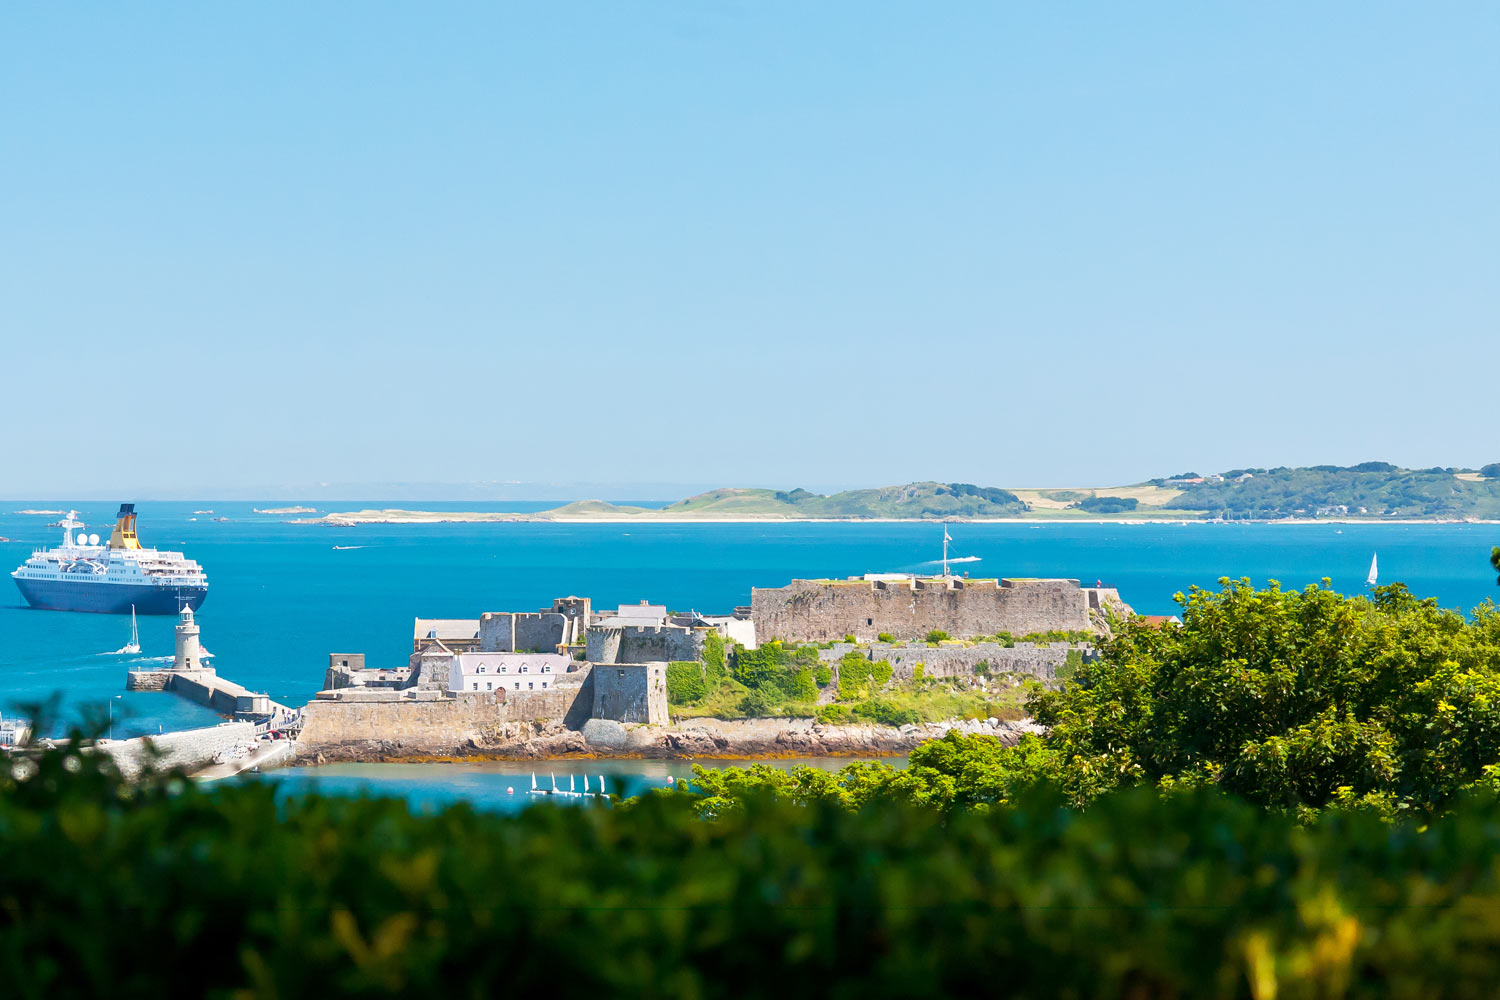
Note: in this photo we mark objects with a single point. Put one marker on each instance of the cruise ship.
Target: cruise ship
(83, 575)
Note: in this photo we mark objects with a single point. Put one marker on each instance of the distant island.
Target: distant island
(1372, 491)
(273, 510)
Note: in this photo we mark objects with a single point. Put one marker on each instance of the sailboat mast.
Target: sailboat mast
(945, 548)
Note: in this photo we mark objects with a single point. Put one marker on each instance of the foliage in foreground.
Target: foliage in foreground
(171, 890)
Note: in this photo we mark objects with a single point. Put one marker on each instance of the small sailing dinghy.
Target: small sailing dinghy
(1374, 570)
(134, 645)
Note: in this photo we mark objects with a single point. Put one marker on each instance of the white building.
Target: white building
(636, 614)
(476, 673)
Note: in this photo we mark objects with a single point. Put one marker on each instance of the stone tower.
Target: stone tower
(189, 655)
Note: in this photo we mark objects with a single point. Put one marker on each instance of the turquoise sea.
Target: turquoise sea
(282, 596)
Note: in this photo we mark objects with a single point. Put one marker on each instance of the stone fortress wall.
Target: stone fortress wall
(906, 608)
(432, 720)
(644, 643)
(631, 692)
(1041, 662)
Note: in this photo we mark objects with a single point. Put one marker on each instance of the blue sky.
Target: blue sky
(770, 244)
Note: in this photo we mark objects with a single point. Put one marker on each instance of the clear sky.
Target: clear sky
(781, 244)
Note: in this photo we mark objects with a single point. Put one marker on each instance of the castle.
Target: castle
(567, 664)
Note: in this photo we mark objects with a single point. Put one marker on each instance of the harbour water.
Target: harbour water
(282, 596)
(505, 786)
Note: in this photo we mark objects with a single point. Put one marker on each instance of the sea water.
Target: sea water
(505, 785)
(283, 596)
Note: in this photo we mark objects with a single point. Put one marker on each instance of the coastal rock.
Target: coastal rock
(693, 738)
(605, 734)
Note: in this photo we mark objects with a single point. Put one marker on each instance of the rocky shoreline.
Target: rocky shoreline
(687, 740)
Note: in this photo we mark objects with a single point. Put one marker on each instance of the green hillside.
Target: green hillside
(1372, 489)
(913, 500)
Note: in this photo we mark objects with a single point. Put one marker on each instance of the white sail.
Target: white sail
(1374, 571)
(134, 645)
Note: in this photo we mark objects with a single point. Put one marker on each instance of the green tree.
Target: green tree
(1292, 699)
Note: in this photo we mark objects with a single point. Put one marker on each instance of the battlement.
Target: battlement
(910, 607)
(645, 643)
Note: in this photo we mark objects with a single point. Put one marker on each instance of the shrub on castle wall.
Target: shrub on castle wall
(774, 669)
(713, 659)
(835, 715)
(685, 683)
(860, 677)
(804, 687)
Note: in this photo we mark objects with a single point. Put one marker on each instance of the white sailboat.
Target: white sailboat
(1374, 570)
(134, 645)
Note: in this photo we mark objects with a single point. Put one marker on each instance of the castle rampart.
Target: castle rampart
(645, 643)
(907, 608)
(1041, 662)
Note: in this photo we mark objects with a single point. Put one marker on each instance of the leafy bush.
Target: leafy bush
(758, 704)
(937, 635)
(850, 638)
(835, 715)
(869, 881)
(859, 677)
(823, 675)
(772, 668)
(886, 713)
(713, 659)
(804, 688)
(885, 637)
(685, 683)
(1491, 471)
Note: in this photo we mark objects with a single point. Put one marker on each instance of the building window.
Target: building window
(476, 685)
(523, 668)
(546, 669)
(488, 686)
(481, 668)
(504, 669)
(869, 621)
(530, 687)
(544, 685)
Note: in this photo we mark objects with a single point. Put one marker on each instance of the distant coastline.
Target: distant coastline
(1372, 492)
(400, 516)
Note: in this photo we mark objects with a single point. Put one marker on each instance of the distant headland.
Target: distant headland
(1372, 491)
